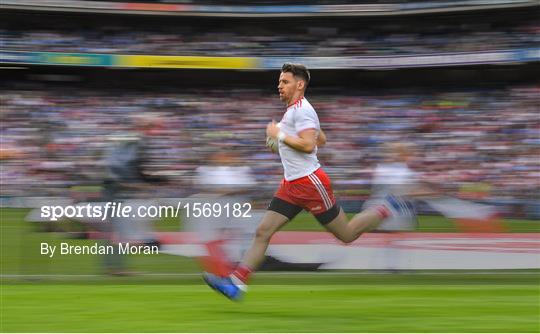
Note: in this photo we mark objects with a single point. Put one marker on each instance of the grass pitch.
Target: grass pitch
(69, 295)
(271, 308)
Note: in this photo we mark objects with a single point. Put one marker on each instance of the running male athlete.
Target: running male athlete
(305, 185)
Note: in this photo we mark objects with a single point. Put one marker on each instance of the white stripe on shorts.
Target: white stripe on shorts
(322, 191)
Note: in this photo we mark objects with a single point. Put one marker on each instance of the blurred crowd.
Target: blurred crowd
(481, 140)
(279, 39)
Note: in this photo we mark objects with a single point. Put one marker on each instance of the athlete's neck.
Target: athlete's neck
(294, 99)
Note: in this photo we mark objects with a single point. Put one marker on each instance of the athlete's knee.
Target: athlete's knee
(347, 235)
(348, 238)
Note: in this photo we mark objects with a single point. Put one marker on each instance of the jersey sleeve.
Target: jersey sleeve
(306, 118)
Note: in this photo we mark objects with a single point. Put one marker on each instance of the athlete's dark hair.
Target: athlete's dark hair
(298, 70)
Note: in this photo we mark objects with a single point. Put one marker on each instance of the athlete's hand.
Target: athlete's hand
(272, 129)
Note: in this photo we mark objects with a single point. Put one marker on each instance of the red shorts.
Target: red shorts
(312, 193)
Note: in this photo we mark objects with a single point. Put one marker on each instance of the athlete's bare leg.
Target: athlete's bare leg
(270, 224)
(349, 230)
(235, 284)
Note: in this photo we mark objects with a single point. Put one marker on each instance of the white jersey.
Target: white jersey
(231, 177)
(393, 178)
(298, 117)
(398, 179)
(217, 182)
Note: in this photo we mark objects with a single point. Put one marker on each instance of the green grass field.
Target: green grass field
(68, 294)
(271, 308)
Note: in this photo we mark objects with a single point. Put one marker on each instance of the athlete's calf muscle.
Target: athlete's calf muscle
(270, 224)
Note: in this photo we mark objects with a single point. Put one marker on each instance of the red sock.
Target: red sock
(242, 272)
(216, 261)
(382, 211)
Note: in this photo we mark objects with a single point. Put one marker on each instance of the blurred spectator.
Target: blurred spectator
(274, 40)
(485, 143)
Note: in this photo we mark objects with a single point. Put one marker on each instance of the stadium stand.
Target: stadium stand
(474, 134)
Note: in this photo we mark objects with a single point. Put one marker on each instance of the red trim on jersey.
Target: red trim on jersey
(299, 102)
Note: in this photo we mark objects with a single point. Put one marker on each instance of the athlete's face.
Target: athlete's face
(289, 87)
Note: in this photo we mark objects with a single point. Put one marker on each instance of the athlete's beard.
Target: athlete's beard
(283, 98)
(287, 99)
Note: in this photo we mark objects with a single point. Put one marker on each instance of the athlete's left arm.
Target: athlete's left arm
(305, 142)
(321, 138)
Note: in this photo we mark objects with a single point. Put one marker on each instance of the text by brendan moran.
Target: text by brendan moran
(65, 248)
